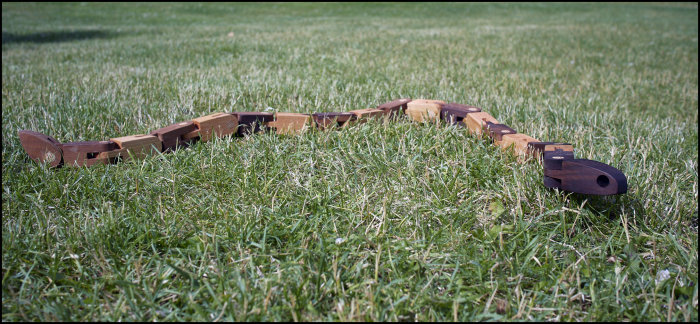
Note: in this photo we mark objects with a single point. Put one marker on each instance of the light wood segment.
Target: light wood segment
(476, 121)
(364, 114)
(138, 146)
(422, 110)
(217, 124)
(290, 123)
(518, 143)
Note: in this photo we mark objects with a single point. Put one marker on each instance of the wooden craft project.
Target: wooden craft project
(561, 169)
(135, 146)
(290, 123)
(217, 124)
(422, 110)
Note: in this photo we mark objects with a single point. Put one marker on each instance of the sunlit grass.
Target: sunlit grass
(379, 222)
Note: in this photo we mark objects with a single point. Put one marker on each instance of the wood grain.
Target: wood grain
(172, 136)
(454, 113)
(136, 146)
(518, 143)
(422, 110)
(217, 124)
(41, 148)
(365, 114)
(475, 122)
(290, 123)
(395, 107)
(78, 154)
(496, 131)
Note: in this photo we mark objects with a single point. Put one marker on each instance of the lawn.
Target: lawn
(378, 222)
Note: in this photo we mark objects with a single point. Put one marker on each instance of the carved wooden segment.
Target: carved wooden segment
(333, 120)
(518, 142)
(77, 154)
(455, 113)
(496, 131)
(422, 110)
(172, 136)
(290, 123)
(217, 124)
(138, 146)
(41, 148)
(252, 122)
(583, 176)
(364, 114)
(395, 107)
(476, 121)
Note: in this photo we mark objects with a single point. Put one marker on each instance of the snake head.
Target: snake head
(583, 176)
(41, 148)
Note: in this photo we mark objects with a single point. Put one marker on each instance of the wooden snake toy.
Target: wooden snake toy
(561, 169)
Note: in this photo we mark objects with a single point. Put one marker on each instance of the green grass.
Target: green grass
(374, 222)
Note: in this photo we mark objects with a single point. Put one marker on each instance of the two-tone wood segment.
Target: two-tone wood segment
(561, 169)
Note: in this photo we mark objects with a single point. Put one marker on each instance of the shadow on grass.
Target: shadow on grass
(56, 36)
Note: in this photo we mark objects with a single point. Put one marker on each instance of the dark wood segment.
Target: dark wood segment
(173, 136)
(496, 131)
(41, 148)
(333, 120)
(252, 122)
(454, 113)
(77, 154)
(396, 107)
(582, 176)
